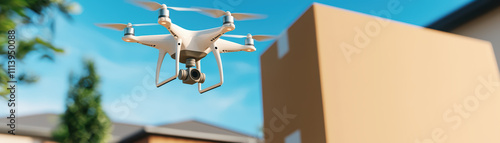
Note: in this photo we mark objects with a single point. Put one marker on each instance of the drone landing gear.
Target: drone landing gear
(219, 64)
(160, 61)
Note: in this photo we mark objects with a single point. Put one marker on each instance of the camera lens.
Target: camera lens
(195, 74)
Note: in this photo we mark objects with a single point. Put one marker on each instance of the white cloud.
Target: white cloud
(243, 67)
(115, 71)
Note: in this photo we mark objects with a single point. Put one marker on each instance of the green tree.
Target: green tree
(14, 14)
(84, 119)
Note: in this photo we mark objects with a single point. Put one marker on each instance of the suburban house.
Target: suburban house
(38, 129)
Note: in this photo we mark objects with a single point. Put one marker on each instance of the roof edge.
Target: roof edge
(464, 15)
(163, 131)
(214, 125)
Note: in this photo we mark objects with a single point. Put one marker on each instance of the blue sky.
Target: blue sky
(129, 93)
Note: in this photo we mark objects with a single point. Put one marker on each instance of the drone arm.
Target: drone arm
(228, 46)
(160, 61)
(221, 74)
(206, 38)
(175, 30)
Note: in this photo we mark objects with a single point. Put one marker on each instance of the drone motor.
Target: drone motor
(164, 13)
(249, 41)
(129, 31)
(228, 18)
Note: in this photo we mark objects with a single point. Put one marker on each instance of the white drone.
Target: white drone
(189, 47)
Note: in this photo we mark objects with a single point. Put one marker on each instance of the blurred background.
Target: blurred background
(80, 82)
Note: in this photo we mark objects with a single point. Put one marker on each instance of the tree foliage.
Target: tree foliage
(84, 120)
(16, 13)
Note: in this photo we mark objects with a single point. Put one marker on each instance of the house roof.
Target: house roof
(194, 125)
(464, 14)
(193, 129)
(42, 125)
(36, 125)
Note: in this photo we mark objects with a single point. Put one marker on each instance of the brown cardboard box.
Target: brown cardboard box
(339, 76)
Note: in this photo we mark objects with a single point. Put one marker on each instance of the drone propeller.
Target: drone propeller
(238, 16)
(208, 11)
(184, 9)
(119, 26)
(155, 6)
(148, 4)
(256, 37)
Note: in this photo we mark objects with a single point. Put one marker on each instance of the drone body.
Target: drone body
(189, 47)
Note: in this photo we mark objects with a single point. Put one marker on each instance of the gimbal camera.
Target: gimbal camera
(191, 75)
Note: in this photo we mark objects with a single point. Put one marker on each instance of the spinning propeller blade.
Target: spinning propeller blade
(148, 4)
(184, 9)
(263, 37)
(234, 36)
(145, 24)
(256, 37)
(119, 26)
(215, 13)
(113, 26)
(247, 16)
